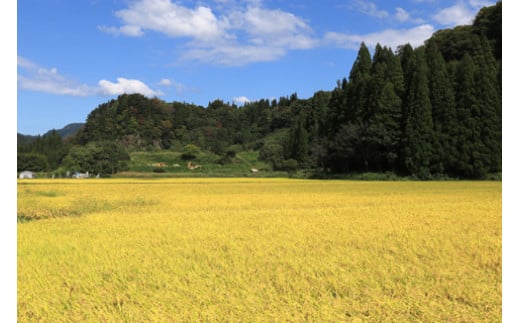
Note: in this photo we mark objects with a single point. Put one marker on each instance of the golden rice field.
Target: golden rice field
(258, 250)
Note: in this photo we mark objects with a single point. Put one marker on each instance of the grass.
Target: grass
(243, 249)
(145, 164)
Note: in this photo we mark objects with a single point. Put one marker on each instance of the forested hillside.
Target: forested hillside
(426, 112)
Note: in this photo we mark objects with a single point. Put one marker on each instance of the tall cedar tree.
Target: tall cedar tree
(418, 131)
(384, 113)
(469, 145)
(359, 79)
(297, 142)
(408, 64)
(488, 100)
(338, 113)
(444, 116)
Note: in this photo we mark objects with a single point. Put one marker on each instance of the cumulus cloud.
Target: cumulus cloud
(389, 37)
(458, 14)
(33, 77)
(240, 35)
(461, 13)
(241, 100)
(127, 86)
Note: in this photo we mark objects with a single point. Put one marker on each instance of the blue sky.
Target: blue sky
(74, 55)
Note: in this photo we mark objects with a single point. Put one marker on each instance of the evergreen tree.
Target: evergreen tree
(297, 147)
(442, 100)
(383, 115)
(489, 106)
(418, 130)
(359, 79)
(338, 113)
(468, 144)
(408, 65)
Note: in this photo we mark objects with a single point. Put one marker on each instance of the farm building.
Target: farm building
(80, 175)
(27, 174)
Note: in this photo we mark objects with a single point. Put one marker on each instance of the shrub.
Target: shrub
(289, 165)
(32, 161)
(190, 151)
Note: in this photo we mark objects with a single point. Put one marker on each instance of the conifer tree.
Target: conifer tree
(338, 113)
(488, 100)
(468, 144)
(418, 130)
(297, 143)
(359, 79)
(442, 100)
(383, 114)
(407, 61)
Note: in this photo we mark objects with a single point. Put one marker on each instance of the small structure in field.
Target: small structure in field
(27, 174)
(192, 166)
(161, 164)
(81, 175)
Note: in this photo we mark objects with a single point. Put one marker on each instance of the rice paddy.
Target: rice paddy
(258, 250)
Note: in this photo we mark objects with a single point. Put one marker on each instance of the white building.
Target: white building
(27, 174)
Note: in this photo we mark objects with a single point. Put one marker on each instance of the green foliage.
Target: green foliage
(104, 157)
(289, 165)
(272, 153)
(297, 141)
(32, 161)
(190, 151)
(50, 145)
(418, 132)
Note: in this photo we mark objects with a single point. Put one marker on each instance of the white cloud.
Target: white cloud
(180, 89)
(241, 100)
(168, 18)
(370, 9)
(134, 31)
(33, 77)
(36, 78)
(402, 15)
(240, 35)
(234, 55)
(458, 14)
(389, 37)
(127, 86)
(165, 82)
(478, 4)
(462, 13)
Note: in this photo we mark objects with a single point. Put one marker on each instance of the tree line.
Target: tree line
(426, 112)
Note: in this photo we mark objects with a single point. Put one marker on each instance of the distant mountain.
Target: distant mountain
(25, 139)
(68, 130)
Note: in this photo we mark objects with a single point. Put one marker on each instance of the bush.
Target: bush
(272, 153)
(33, 162)
(289, 165)
(105, 157)
(190, 151)
(231, 153)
